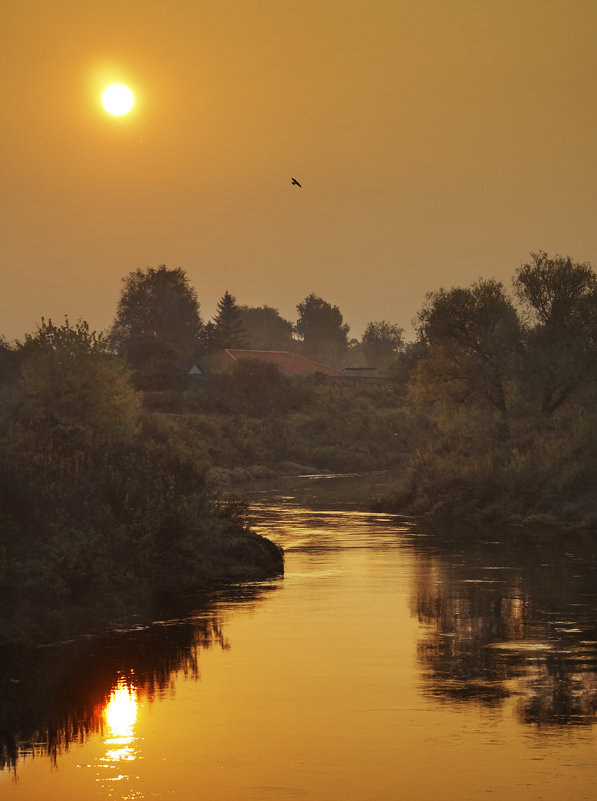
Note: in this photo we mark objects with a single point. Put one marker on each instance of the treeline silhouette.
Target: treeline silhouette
(158, 324)
(110, 455)
(508, 381)
(487, 413)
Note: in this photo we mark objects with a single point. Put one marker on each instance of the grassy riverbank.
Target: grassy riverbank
(255, 422)
(530, 473)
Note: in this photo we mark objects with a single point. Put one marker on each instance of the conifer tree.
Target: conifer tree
(228, 330)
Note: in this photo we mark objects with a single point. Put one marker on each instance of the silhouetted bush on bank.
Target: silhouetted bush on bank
(537, 471)
(103, 510)
(511, 392)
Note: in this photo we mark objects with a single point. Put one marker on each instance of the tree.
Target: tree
(472, 337)
(227, 330)
(266, 329)
(7, 361)
(558, 293)
(559, 298)
(71, 387)
(381, 342)
(159, 307)
(322, 330)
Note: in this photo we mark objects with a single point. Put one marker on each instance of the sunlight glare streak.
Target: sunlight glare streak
(121, 716)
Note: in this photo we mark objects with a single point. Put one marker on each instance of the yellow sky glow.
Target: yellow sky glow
(436, 143)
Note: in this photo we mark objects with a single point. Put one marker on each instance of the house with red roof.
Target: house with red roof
(287, 363)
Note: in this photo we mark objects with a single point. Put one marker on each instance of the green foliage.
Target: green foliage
(103, 508)
(157, 305)
(254, 388)
(533, 473)
(513, 404)
(252, 415)
(266, 329)
(472, 338)
(322, 330)
(382, 341)
(106, 493)
(70, 389)
(227, 329)
(559, 298)
(558, 293)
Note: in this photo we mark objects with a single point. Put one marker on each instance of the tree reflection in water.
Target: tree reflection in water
(512, 614)
(53, 697)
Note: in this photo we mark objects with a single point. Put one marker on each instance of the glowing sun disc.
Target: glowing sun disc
(118, 99)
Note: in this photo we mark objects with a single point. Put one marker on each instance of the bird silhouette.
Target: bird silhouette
(296, 183)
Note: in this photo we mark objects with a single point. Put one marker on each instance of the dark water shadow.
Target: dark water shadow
(327, 491)
(508, 613)
(55, 696)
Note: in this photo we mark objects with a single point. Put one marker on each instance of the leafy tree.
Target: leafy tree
(382, 341)
(157, 306)
(7, 360)
(472, 337)
(403, 366)
(228, 330)
(266, 329)
(71, 387)
(558, 293)
(559, 297)
(322, 330)
(103, 507)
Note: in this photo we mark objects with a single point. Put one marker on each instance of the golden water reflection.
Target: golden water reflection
(509, 618)
(386, 650)
(119, 717)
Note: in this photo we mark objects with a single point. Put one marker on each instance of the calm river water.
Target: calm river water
(391, 662)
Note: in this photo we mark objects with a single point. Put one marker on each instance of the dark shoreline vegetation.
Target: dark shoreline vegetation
(61, 694)
(112, 458)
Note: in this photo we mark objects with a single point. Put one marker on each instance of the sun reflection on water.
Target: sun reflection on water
(120, 715)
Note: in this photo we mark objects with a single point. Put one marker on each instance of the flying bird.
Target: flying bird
(296, 183)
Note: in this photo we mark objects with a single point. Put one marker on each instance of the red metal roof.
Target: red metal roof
(289, 363)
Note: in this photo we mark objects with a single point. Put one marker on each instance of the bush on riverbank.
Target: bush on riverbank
(315, 425)
(511, 393)
(546, 475)
(103, 513)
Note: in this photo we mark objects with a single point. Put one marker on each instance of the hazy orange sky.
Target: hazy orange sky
(437, 141)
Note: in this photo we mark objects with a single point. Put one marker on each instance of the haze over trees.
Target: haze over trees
(321, 330)
(266, 329)
(227, 329)
(157, 314)
(381, 343)
(471, 338)
(559, 302)
(511, 391)
(109, 457)
(157, 326)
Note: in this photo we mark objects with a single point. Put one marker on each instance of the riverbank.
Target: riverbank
(534, 475)
(110, 499)
(38, 616)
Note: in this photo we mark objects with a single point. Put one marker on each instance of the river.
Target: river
(393, 661)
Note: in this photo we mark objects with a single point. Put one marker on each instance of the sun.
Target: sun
(118, 99)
